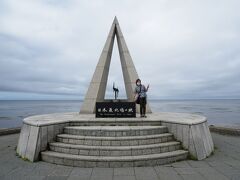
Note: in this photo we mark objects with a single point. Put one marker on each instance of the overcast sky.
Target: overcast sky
(184, 49)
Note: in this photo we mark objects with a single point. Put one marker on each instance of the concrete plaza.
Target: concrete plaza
(224, 164)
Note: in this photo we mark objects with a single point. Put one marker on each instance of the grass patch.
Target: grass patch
(191, 157)
(23, 158)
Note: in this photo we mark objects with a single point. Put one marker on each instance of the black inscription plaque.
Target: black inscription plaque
(115, 109)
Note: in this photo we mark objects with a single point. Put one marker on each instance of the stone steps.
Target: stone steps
(114, 146)
(114, 150)
(113, 161)
(114, 141)
(111, 131)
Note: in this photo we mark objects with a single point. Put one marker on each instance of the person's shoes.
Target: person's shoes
(141, 115)
(144, 116)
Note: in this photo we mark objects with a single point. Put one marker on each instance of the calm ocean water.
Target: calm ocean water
(225, 112)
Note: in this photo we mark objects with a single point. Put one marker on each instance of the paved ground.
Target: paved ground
(224, 164)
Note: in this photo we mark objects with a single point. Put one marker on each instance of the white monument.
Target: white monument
(81, 139)
(97, 87)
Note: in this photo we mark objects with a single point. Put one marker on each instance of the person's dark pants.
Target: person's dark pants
(143, 103)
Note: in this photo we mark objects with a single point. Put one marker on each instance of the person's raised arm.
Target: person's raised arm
(147, 88)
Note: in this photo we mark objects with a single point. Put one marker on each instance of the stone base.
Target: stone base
(118, 135)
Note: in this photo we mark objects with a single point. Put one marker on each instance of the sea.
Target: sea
(224, 112)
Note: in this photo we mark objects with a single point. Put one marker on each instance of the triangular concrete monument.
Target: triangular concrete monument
(97, 87)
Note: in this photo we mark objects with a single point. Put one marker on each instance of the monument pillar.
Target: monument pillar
(97, 88)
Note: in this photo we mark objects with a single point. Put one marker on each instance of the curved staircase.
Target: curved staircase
(107, 143)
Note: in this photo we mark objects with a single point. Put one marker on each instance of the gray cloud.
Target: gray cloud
(182, 49)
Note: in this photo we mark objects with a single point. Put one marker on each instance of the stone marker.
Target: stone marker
(79, 139)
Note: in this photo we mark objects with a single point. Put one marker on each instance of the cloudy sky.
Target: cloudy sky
(183, 49)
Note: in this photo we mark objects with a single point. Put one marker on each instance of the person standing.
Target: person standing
(141, 97)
